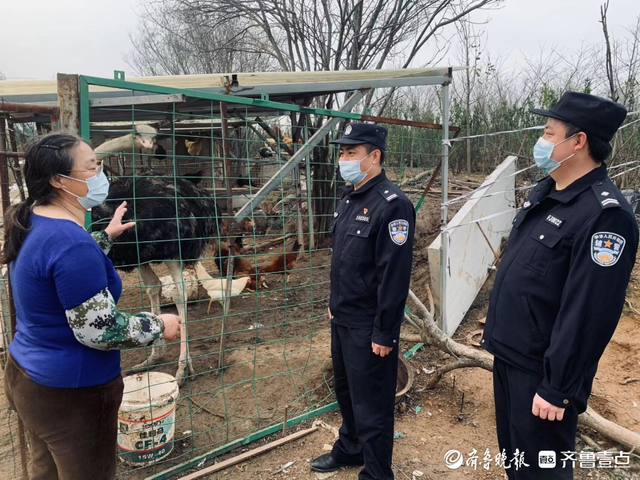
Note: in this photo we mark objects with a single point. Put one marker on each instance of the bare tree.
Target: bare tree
(609, 56)
(469, 52)
(175, 42)
(310, 35)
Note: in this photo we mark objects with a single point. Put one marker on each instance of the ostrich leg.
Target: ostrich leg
(184, 362)
(152, 285)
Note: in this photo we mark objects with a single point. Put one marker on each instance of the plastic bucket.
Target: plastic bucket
(146, 419)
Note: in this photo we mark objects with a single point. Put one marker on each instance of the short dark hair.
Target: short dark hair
(598, 149)
(369, 147)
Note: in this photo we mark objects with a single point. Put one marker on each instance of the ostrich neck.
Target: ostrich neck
(114, 146)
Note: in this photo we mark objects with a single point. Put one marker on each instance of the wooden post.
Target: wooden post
(69, 103)
(12, 145)
(247, 455)
(286, 417)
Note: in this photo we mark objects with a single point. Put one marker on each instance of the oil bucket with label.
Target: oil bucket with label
(146, 419)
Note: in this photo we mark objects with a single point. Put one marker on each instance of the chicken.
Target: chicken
(194, 147)
(241, 267)
(160, 153)
(245, 182)
(216, 287)
(271, 143)
(283, 264)
(247, 225)
(266, 152)
(195, 178)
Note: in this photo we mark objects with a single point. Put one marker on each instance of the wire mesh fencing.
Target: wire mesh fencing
(253, 286)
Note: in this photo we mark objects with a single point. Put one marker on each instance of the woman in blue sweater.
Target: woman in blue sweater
(63, 375)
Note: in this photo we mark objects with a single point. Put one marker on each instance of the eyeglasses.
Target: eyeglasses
(98, 170)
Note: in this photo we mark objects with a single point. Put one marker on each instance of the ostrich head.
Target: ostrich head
(145, 136)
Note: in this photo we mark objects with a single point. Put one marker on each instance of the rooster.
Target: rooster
(241, 267)
(284, 139)
(283, 264)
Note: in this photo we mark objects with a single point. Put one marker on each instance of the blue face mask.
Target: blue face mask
(350, 170)
(98, 189)
(542, 152)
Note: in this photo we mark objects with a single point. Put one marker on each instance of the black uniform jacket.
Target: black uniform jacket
(372, 239)
(561, 284)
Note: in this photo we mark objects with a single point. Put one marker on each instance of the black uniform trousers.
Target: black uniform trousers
(365, 386)
(518, 428)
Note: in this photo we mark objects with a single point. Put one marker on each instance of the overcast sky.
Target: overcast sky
(41, 37)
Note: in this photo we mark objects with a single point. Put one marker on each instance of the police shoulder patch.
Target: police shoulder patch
(399, 231)
(603, 191)
(606, 248)
(388, 194)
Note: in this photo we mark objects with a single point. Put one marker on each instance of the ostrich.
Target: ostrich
(143, 137)
(175, 220)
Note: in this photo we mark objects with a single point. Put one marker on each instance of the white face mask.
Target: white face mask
(350, 170)
(98, 189)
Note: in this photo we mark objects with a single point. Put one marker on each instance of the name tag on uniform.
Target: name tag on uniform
(553, 220)
(363, 218)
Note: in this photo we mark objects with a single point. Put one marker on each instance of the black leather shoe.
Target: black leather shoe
(325, 463)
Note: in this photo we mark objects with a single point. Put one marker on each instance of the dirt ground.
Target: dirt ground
(285, 362)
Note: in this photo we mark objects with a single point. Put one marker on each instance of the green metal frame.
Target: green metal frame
(85, 81)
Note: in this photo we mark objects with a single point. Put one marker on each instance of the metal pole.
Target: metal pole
(444, 237)
(277, 177)
(226, 153)
(312, 241)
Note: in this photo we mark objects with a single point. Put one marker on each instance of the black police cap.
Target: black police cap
(358, 133)
(594, 115)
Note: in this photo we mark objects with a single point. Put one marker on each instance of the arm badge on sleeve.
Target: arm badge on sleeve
(606, 248)
(399, 231)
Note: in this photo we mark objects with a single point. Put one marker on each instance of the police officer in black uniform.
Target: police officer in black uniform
(372, 240)
(560, 289)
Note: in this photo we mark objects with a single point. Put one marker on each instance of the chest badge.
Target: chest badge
(606, 248)
(399, 231)
(553, 220)
(363, 218)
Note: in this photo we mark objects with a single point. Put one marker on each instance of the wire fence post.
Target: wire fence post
(444, 237)
(307, 162)
(226, 152)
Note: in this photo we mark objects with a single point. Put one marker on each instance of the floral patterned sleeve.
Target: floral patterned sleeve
(103, 240)
(97, 323)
